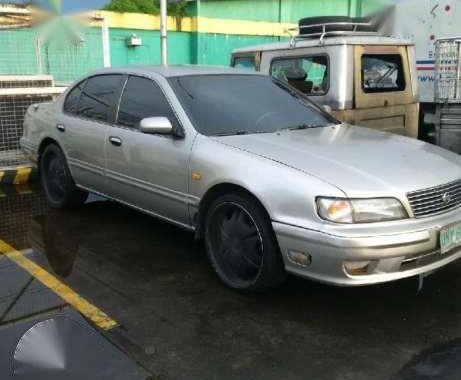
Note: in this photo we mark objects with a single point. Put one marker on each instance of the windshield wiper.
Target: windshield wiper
(241, 132)
(304, 126)
(232, 133)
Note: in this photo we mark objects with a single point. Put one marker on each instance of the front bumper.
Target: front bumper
(401, 250)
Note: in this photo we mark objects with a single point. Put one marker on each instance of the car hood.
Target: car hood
(359, 161)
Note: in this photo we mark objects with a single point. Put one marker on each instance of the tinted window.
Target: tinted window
(99, 96)
(239, 104)
(382, 73)
(246, 63)
(142, 98)
(71, 103)
(307, 74)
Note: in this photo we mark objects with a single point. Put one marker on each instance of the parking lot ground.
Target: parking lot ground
(177, 321)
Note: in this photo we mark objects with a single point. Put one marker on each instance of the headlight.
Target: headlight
(343, 210)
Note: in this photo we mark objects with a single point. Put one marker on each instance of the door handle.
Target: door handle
(117, 141)
(60, 127)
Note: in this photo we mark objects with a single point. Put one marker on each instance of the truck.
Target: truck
(417, 24)
(349, 66)
(424, 22)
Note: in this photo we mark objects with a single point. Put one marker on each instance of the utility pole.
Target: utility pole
(163, 31)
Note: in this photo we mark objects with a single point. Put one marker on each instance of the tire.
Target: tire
(309, 22)
(241, 244)
(57, 181)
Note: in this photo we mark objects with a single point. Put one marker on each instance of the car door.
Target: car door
(148, 171)
(88, 109)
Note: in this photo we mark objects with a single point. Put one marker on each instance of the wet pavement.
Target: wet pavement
(176, 321)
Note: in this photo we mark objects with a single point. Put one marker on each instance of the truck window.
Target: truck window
(246, 63)
(382, 73)
(307, 74)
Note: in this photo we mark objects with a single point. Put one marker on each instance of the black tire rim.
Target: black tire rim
(236, 244)
(55, 176)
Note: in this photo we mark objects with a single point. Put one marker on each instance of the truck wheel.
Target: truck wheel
(57, 182)
(241, 244)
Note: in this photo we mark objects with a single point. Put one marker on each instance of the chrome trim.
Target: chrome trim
(86, 166)
(435, 200)
(158, 190)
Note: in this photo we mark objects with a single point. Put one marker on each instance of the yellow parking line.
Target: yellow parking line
(22, 175)
(97, 316)
(1, 175)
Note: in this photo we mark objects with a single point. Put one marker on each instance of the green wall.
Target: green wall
(17, 54)
(216, 49)
(276, 10)
(180, 47)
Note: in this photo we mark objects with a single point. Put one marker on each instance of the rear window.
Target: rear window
(307, 74)
(245, 63)
(382, 73)
(72, 99)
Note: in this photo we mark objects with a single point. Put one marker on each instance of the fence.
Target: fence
(17, 93)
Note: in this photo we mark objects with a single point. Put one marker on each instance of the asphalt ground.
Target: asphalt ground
(166, 316)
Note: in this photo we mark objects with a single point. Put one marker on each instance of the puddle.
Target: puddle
(441, 362)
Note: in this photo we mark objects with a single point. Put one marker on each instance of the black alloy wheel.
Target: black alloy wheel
(57, 181)
(241, 244)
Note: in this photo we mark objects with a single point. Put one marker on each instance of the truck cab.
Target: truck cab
(365, 78)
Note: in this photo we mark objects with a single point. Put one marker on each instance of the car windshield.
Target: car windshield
(243, 104)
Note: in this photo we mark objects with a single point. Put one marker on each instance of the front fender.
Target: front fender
(287, 194)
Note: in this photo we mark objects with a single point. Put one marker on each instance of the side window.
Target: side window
(142, 98)
(246, 63)
(99, 96)
(382, 73)
(310, 75)
(72, 98)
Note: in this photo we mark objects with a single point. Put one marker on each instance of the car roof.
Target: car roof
(327, 41)
(174, 70)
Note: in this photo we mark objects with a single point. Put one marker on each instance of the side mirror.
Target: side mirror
(156, 125)
(327, 108)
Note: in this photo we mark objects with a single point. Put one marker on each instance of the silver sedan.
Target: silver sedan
(270, 181)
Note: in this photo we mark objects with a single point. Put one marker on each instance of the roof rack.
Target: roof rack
(328, 30)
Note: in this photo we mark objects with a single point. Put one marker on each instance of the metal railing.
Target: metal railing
(448, 70)
(324, 32)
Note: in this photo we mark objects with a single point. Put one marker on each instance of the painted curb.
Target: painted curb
(18, 175)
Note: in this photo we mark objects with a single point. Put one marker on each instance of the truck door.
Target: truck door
(385, 98)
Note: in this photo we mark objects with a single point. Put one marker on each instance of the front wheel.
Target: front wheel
(241, 244)
(57, 182)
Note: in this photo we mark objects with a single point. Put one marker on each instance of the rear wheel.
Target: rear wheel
(241, 244)
(57, 182)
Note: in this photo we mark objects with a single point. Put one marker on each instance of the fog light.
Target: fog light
(300, 258)
(356, 268)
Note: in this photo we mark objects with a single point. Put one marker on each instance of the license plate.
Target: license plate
(450, 237)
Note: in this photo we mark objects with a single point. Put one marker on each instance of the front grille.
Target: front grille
(435, 200)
